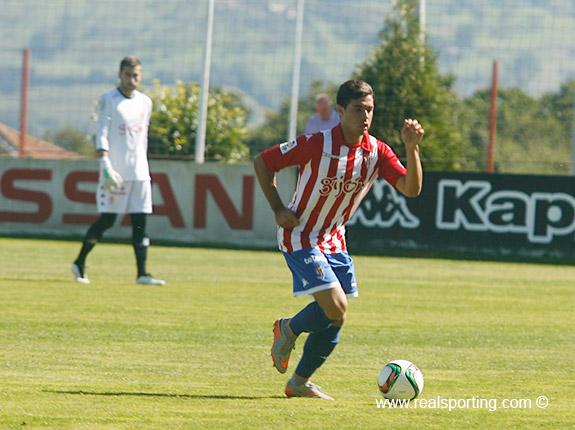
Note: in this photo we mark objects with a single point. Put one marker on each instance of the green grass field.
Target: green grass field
(195, 353)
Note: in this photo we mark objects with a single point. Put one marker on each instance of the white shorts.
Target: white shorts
(133, 197)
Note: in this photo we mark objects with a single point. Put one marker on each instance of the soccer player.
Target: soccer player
(124, 185)
(337, 167)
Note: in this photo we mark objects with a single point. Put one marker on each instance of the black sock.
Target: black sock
(87, 246)
(141, 252)
(93, 235)
(140, 241)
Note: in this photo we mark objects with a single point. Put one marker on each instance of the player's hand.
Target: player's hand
(112, 180)
(286, 218)
(411, 134)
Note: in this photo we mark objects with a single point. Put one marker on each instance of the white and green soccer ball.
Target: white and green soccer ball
(400, 379)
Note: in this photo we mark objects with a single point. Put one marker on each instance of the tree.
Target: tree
(275, 127)
(530, 138)
(174, 122)
(405, 77)
(73, 140)
(562, 106)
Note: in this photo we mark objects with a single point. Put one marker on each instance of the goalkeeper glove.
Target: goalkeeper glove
(112, 179)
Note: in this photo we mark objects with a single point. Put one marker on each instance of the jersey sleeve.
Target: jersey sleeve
(390, 168)
(291, 153)
(104, 119)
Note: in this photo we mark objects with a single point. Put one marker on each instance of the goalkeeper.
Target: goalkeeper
(124, 185)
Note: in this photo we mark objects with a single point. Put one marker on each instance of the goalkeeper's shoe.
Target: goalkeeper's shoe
(148, 279)
(284, 343)
(79, 274)
(307, 389)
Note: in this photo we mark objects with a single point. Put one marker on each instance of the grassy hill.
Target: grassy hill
(77, 44)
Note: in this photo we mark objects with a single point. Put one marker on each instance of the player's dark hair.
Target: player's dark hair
(130, 61)
(353, 90)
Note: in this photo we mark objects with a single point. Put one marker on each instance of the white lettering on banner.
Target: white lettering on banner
(471, 205)
(384, 207)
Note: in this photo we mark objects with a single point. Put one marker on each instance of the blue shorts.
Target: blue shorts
(315, 271)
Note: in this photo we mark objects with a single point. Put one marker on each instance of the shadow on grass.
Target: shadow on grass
(174, 396)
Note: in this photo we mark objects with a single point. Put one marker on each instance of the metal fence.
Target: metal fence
(76, 46)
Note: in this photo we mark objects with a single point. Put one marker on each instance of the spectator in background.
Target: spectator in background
(325, 117)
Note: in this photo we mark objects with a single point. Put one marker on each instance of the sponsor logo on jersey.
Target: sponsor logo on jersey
(132, 128)
(340, 186)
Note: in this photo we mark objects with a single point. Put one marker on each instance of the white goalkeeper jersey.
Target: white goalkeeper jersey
(123, 132)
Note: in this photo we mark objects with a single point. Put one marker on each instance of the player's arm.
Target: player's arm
(412, 135)
(110, 177)
(284, 217)
(104, 121)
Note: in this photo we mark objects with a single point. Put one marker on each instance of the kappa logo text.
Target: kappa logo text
(384, 208)
(473, 206)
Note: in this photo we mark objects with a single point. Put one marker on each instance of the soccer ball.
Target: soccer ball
(400, 379)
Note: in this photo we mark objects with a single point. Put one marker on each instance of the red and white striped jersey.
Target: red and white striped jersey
(332, 180)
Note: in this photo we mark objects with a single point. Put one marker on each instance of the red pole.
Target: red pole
(492, 120)
(24, 100)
